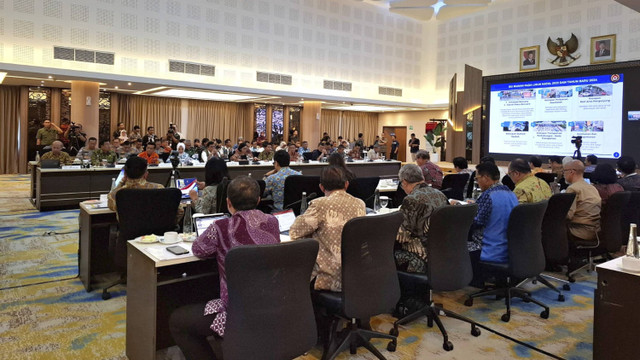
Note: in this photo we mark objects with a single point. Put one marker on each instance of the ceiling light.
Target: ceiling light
(50, 77)
(2, 75)
(116, 87)
(150, 90)
(436, 7)
(129, 84)
(203, 95)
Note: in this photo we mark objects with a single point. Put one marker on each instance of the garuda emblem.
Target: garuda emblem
(565, 52)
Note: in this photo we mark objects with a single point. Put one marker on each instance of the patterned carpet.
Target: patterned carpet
(45, 312)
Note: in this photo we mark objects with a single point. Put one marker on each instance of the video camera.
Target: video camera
(74, 126)
(577, 141)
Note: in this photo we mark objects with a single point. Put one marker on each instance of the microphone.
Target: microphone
(310, 197)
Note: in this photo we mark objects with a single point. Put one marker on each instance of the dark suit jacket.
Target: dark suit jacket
(606, 52)
(528, 62)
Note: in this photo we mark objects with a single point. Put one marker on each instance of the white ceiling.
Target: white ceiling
(425, 10)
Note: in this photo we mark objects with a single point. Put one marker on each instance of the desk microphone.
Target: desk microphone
(310, 197)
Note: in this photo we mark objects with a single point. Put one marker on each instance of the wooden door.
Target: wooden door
(401, 136)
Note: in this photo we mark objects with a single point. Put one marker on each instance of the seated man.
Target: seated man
(323, 221)
(150, 155)
(432, 173)
(319, 153)
(293, 153)
(374, 152)
(304, 147)
(274, 179)
(535, 164)
(87, 150)
(529, 188)
(488, 231)
(590, 163)
(461, 166)
(421, 200)
(267, 153)
(191, 325)
(584, 214)
(135, 177)
(56, 153)
(356, 153)
(104, 153)
(630, 180)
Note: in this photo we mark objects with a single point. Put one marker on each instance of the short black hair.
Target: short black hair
(332, 178)
(93, 138)
(360, 135)
(413, 134)
(519, 165)
(135, 167)
(210, 143)
(460, 162)
(149, 127)
(604, 174)
(592, 159)
(488, 159)
(136, 127)
(556, 159)
(152, 144)
(244, 193)
(282, 158)
(535, 161)
(242, 146)
(214, 171)
(626, 164)
(489, 169)
(103, 141)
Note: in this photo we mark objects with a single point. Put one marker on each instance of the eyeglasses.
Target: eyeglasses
(565, 170)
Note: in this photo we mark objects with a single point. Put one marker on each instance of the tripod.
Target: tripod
(175, 173)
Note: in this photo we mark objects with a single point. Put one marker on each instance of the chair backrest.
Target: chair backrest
(631, 214)
(470, 185)
(457, 183)
(294, 185)
(270, 315)
(370, 283)
(506, 181)
(554, 228)
(143, 212)
(449, 265)
(548, 177)
(221, 196)
(364, 188)
(262, 185)
(524, 234)
(611, 236)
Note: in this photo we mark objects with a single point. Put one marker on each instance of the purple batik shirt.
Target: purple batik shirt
(249, 227)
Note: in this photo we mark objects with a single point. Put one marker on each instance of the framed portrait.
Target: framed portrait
(529, 58)
(603, 49)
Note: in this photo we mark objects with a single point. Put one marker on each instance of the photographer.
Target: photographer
(75, 138)
(173, 136)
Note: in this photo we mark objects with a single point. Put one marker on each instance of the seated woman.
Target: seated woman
(420, 202)
(336, 159)
(293, 153)
(182, 155)
(605, 180)
(214, 171)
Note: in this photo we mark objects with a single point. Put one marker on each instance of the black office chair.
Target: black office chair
(369, 283)
(448, 266)
(364, 189)
(548, 177)
(141, 212)
(608, 238)
(453, 186)
(506, 181)
(526, 257)
(221, 196)
(469, 190)
(631, 214)
(270, 315)
(295, 185)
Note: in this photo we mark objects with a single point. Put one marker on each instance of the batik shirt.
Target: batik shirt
(274, 185)
(130, 184)
(249, 227)
(432, 174)
(323, 221)
(416, 210)
(532, 189)
(63, 157)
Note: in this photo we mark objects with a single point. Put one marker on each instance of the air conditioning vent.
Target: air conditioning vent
(336, 85)
(274, 78)
(83, 55)
(382, 90)
(191, 68)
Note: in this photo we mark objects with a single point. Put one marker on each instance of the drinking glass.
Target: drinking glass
(384, 201)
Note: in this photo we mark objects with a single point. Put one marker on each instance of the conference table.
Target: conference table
(54, 189)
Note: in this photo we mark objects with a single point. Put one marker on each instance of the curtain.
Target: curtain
(354, 122)
(146, 111)
(222, 120)
(329, 122)
(9, 120)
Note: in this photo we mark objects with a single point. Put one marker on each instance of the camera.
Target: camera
(74, 126)
(577, 141)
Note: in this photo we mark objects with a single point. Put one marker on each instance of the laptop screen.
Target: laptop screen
(120, 176)
(203, 221)
(285, 220)
(186, 185)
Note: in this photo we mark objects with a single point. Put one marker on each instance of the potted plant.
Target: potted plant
(435, 136)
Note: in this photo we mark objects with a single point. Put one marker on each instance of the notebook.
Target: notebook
(203, 221)
(285, 220)
(186, 185)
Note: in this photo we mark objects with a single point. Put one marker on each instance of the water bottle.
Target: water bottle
(555, 186)
(632, 245)
(303, 203)
(113, 183)
(187, 223)
(38, 156)
(249, 175)
(376, 200)
(172, 182)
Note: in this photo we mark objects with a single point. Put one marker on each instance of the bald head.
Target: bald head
(575, 165)
(573, 171)
(56, 147)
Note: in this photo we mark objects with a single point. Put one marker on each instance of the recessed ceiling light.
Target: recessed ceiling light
(116, 87)
(50, 77)
(203, 95)
(129, 84)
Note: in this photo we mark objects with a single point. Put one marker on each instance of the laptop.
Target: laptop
(49, 164)
(186, 185)
(203, 221)
(285, 220)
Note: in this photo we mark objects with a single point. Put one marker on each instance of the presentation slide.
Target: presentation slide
(542, 117)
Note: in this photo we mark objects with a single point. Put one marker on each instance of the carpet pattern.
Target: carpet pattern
(59, 320)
